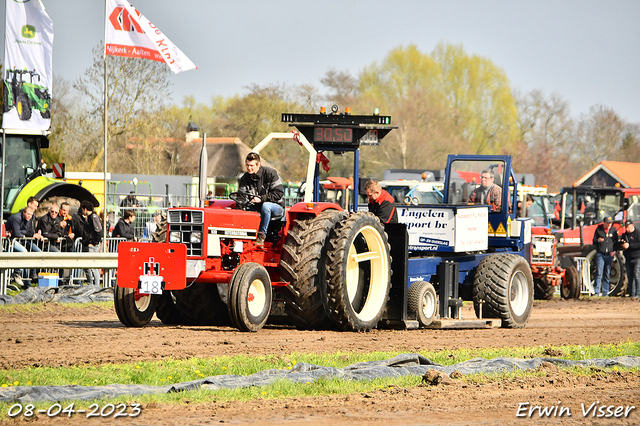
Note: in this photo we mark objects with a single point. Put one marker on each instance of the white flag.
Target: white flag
(27, 75)
(130, 34)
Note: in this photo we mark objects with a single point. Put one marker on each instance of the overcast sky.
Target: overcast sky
(587, 51)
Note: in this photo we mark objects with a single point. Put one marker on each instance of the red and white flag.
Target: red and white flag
(130, 34)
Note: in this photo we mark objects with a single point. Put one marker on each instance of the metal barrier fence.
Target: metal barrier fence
(584, 271)
(145, 224)
(34, 246)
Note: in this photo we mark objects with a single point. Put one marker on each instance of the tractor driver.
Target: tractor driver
(488, 192)
(264, 184)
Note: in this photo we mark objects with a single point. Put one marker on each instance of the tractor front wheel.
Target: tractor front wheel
(571, 285)
(542, 290)
(358, 272)
(503, 287)
(250, 297)
(23, 108)
(134, 309)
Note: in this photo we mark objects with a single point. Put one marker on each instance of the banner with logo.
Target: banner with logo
(131, 35)
(27, 69)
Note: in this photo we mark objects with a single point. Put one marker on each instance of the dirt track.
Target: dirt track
(58, 335)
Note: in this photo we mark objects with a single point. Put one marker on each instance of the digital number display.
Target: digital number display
(332, 134)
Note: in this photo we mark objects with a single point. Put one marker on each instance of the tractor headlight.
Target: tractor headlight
(196, 237)
(174, 237)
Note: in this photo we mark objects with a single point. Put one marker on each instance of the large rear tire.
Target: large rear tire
(504, 286)
(134, 310)
(250, 297)
(423, 301)
(358, 272)
(200, 304)
(303, 265)
(617, 275)
(571, 286)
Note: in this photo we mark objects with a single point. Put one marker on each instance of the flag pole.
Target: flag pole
(104, 203)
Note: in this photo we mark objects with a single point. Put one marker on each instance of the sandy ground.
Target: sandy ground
(55, 335)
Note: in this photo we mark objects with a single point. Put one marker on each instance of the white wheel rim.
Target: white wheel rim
(518, 294)
(256, 298)
(379, 266)
(428, 304)
(142, 304)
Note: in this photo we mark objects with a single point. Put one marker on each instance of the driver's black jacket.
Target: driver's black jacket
(266, 183)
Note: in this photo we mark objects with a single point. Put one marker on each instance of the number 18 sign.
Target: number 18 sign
(151, 284)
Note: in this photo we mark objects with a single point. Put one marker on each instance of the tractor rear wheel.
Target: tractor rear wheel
(166, 310)
(200, 304)
(134, 309)
(503, 286)
(542, 290)
(358, 272)
(571, 286)
(23, 108)
(250, 297)
(423, 301)
(303, 266)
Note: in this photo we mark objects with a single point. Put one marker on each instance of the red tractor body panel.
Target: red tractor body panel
(165, 260)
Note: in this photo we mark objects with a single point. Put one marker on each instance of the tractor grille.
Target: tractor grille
(542, 249)
(186, 227)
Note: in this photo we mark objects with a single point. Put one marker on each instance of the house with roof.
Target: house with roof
(612, 173)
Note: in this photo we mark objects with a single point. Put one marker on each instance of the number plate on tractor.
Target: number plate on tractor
(151, 284)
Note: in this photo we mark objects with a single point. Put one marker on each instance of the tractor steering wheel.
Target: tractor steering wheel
(244, 199)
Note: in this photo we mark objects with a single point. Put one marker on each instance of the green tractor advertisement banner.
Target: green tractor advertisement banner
(21, 93)
(27, 67)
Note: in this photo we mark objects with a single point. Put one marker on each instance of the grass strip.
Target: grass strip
(170, 371)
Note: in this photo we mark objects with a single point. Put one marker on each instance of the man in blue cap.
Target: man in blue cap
(604, 240)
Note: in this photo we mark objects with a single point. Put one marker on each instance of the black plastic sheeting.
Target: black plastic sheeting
(401, 365)
(62, 294)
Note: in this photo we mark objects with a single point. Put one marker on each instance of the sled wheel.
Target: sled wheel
(542, 290)
(132, 308)
(617, 274)
(23, 108)
(303, 265)
(504, 284)
(358, 272)
(423, 301)
(571, 285)
(250, 297)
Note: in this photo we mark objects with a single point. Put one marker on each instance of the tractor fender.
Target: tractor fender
(309, 209)
(43, 187)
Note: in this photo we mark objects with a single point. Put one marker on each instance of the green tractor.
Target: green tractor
(26, 96)
(25, 175)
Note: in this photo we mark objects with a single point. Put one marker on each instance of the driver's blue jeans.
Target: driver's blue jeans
(266, 212)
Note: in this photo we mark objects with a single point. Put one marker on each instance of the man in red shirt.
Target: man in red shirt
(381, 202)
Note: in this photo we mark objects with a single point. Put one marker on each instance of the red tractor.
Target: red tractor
(583, 209)
(319, 266)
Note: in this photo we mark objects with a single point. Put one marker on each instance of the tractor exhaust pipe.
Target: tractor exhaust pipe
(202, 182)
